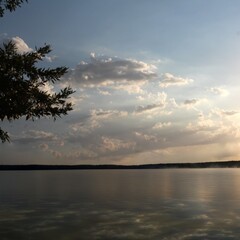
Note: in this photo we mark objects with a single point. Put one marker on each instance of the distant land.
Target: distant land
(225, 164)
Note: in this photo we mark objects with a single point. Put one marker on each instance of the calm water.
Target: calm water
(120, 204)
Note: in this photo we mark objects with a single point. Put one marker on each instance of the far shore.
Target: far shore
(219, 164)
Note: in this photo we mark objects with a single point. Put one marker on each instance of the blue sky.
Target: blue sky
(156, 81)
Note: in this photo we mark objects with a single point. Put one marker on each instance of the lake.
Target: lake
(120, 204)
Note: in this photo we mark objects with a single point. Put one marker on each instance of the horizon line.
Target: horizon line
(214, 164)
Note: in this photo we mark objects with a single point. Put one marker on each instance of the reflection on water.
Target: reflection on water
(120, 204)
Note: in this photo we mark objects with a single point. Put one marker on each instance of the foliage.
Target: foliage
(10, 5)
(22, 84)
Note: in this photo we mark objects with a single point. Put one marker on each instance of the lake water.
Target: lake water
(120, 204)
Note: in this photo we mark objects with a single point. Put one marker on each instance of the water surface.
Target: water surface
(120, 204)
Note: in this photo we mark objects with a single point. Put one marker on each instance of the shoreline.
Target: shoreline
(31, 167)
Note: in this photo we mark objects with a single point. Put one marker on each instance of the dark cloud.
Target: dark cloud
(105, 72)
(191, 101)
(150, 107)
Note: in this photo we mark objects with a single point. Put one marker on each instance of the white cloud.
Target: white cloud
(161, 61)
(20, 44)
(219, 91)
(140, 98)
(42, 135)
(104, 93)
(131, 87)
(161, 125)
(50, 58)
(215, 128)
(114, 144)
(156, 97)
(146, 137)
(168, 80)
(172, 103)
(22, 47)
(202, 124)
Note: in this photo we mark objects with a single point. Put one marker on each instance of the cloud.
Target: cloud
(148, 108)
(50, 58)
(202, 124)
(229, 113)
(20, 44)
(114, 144)
(100, 114)
(22, 47)
(35, 135)
(55, 153)
(156, 97)
(46, 148)
(224, 113)
(168, 80)
(82, 153)
(216, 127)
(130, 87)
(201, 217)
(146, 137)
(191, 101)
(102, 71)
(161, 125)
(162, 61)
(104, 93)
(95, 120)
(219, 91)
(42, 137)
(77, 98)
(160, 104)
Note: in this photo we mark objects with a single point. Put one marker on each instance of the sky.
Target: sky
(156, 81)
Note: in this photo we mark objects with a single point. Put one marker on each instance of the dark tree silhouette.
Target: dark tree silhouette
(10, 5)
(22, 82)
(21, 86)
